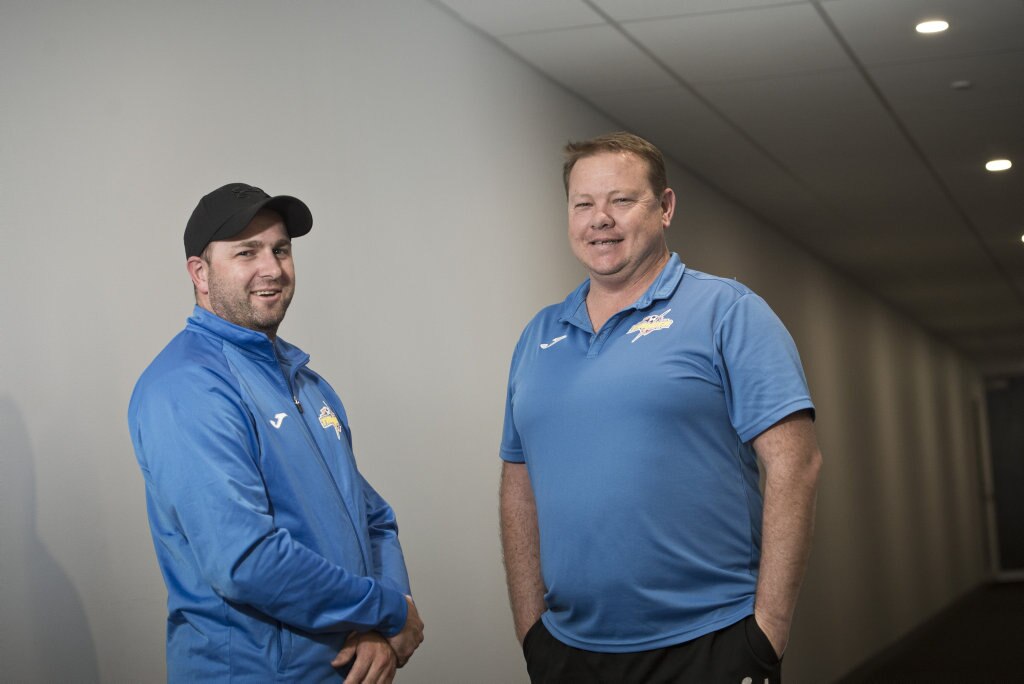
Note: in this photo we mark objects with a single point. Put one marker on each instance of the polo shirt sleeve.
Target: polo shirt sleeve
(511, 445)
(759, 366)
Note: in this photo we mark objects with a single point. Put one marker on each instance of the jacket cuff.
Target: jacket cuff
(396, 610)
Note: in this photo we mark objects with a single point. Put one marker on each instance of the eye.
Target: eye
(244, 253)
(581, 205)
(622, 200)
(282, 251)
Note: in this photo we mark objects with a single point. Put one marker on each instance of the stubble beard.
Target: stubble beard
(238, 308)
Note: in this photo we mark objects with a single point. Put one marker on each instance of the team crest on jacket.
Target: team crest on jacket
(652, 323)
(329, 419)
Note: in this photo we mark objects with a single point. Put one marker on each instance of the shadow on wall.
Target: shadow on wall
(44, 635)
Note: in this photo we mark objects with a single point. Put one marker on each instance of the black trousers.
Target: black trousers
(738, 654)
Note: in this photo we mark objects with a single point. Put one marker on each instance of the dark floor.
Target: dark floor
(978, 640)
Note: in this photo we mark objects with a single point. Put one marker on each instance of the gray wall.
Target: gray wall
(430, 159)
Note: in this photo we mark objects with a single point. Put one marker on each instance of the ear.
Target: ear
(199, 271)
(668, 207)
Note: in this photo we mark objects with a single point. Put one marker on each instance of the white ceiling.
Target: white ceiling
(831, 119)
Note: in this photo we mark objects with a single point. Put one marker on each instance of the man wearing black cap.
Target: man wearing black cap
(281, 562)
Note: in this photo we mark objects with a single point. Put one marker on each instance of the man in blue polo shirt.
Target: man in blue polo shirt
(638, 547)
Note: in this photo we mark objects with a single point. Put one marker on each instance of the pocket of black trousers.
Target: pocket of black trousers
(530, 634)
(759, 643)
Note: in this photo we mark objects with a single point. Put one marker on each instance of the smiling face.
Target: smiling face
(616, 222)
(248, 280)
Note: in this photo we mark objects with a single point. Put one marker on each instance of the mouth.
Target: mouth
(603, 242)
(265, 294)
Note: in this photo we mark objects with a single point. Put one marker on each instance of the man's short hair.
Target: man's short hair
(619, 141)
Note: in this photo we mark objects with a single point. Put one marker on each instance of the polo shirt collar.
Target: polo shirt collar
(574, 308)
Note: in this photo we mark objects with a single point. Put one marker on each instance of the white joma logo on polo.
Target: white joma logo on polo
(278, 419)
(552, 343)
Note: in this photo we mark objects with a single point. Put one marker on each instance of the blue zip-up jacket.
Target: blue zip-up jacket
(272, 545)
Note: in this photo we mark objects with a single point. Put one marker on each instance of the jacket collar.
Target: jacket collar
(249, 341)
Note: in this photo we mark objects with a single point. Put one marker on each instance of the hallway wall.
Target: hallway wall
(430, 159)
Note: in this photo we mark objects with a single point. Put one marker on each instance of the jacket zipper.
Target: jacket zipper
(323, 464)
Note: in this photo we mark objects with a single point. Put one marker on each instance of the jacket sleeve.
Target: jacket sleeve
(388, 561)
(199, 453)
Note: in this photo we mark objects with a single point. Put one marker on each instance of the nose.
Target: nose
(600, 219)
(269, 266)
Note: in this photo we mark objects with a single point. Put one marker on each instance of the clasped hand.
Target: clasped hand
(377, 658)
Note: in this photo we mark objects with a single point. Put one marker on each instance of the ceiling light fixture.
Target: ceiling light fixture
(932, 26)
(998, 165)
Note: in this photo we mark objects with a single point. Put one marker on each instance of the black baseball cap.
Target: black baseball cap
(226, 212)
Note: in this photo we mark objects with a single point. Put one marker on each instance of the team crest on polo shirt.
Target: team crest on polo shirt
(652, 323)
(329, 419)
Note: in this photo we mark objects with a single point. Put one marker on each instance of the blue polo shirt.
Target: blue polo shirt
(638, 444)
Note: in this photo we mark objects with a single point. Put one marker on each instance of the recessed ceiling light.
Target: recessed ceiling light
(998, 165)
(933, 26)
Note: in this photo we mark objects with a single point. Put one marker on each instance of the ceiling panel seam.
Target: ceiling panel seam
(997, 52)
(739, 130)
(917, 149)
(708, 13)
